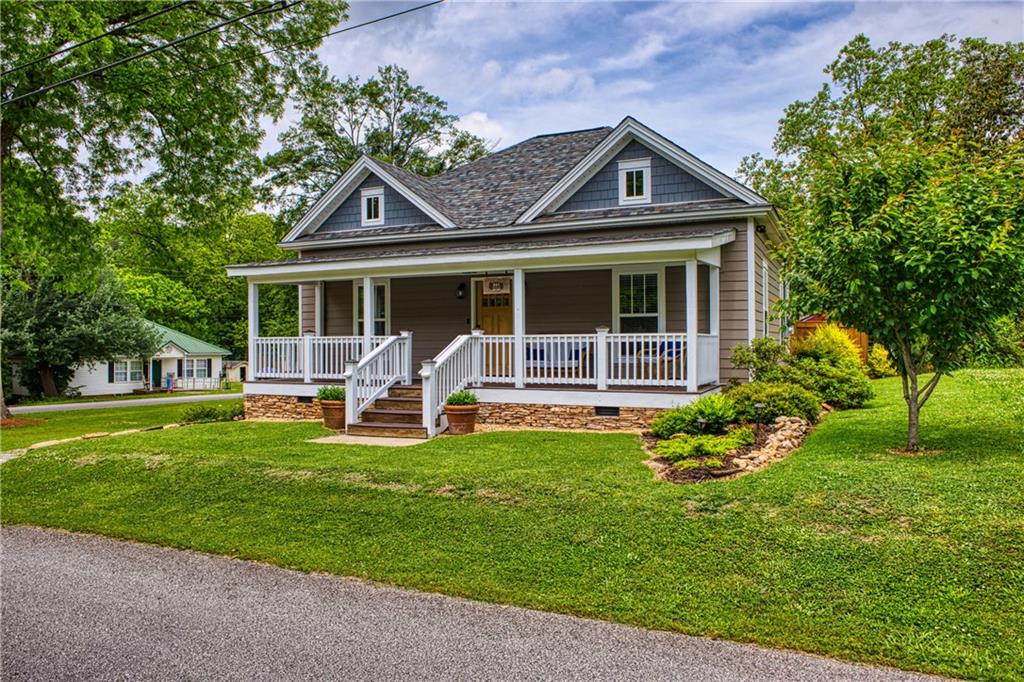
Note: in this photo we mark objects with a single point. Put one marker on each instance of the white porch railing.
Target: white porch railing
(307, 357)
(277, 357)
(646, 359)
(379, 370)
(196, 383)
(453, 369)
(707, 358)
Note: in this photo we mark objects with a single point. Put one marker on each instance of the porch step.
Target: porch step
(376, 416)
(413, 391)
(398, 403)
(387, 430)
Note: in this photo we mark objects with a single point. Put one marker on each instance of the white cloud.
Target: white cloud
(643, 51)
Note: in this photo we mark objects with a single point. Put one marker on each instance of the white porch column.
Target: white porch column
(318, 309)
(368, 301)
(254, 326)
(519, 325)
(691, 326)
(714, 300)
(298, 292)
(601, 358)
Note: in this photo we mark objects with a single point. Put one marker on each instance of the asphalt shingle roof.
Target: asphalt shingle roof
(190, 344)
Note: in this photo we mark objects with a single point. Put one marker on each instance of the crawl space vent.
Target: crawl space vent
(606, 411)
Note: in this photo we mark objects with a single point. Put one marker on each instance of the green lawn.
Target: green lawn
(229, 389)
(843, 549)
(56, 425)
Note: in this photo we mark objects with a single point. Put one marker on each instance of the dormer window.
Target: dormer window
(373, 206)
(634, 182)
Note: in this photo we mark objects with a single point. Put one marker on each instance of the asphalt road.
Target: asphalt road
(131, 402)
(85, 607)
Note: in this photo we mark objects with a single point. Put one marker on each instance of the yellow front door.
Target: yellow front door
(493, 311)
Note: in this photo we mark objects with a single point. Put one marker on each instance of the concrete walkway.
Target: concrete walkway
(128, 402)
(85, 607)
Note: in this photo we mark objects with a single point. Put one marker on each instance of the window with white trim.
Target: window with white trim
(638, 302)
(380, 310)
(196, 369)
(127, 370)
(635, 182)
(373, 206)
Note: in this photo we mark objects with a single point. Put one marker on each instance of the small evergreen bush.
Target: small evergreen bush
(201, 413)
(716, 410)
(684, 446)
(779, 400)
(461, 398)
(828, 341)
(879, 363)
(330, 393)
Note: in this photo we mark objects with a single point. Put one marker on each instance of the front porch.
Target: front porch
(602, 328)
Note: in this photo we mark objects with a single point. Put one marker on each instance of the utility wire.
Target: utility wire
(353, 27)
(112, 31)
(158, 48)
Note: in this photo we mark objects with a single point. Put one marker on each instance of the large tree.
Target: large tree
(51, 329)
(902, 186)
(385, 116)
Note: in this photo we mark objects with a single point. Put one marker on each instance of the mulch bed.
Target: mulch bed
(667, 471)
(15, 422)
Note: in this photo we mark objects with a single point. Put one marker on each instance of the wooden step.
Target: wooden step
(374, 415)
(413, 391)
(390, 403)
(387, 430)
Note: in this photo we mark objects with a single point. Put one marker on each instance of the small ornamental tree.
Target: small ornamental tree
(903, 193)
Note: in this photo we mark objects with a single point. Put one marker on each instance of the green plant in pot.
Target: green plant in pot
(332, 404)
(461, 408)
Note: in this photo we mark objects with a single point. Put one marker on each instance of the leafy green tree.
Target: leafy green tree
(172, 266)
(50, 329)
(386, 117)
(902, 186)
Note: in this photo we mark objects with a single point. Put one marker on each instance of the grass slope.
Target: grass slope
(56, 425)
(843, 549)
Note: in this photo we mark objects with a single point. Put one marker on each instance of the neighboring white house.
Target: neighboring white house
(183, 363)
(235, 371)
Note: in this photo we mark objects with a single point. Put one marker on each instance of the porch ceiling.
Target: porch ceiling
(568, 252)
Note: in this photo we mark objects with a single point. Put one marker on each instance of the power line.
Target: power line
(353, 27)
(112, 31)
(158, 48)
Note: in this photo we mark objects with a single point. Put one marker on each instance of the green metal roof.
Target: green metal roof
(190, 344)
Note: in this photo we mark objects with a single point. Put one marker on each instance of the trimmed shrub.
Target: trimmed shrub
(461, 398)
(762, 357)
(779, 400)
(684, 445)
(716, 410)
(330, 393)
(202, 413)
(828, 341)
(879, 363)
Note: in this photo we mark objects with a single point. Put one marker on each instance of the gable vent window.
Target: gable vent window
(373, 206)
(634, 182)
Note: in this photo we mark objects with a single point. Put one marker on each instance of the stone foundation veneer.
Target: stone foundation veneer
(581, 417)
(280, 407)
(523, 415)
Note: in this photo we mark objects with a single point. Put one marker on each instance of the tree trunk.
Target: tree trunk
(48, 382)
(910, 396)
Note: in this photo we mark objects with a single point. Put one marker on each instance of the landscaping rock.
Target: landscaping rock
(96, 434)
(126, 432)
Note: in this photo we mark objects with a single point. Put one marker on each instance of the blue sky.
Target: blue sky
(714, 77)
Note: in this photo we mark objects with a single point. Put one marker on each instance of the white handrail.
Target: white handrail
(379, 370)
(456, 367)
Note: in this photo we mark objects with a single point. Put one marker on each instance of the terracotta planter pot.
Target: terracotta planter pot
(461, 418)
(334, 414)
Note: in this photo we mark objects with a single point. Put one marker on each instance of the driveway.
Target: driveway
(86, 607)
(129, 402)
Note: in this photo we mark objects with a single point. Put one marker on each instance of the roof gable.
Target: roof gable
(402, 182)
(187, 344)
(669, 183)
(396, 210)
(628, 131)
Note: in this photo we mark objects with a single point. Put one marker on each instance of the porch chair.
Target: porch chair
(664, 355)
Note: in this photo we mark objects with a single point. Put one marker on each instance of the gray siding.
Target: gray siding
(762, 250)
(428, 307)
(307, 295)
(397, 209)
(669, 183)
(732, 282)
(338, 308)
(675, 299)
(571, 302)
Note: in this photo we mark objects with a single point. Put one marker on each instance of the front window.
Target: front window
(635, 181)
(380, 310)
(127, 370)
(638, 303)
(195, 369)
(373, 206)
